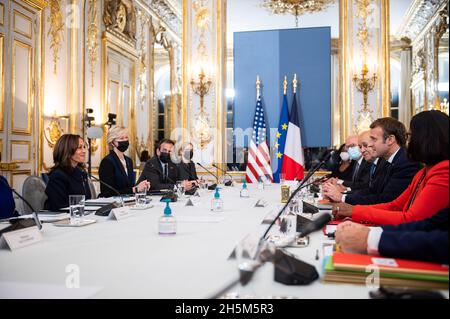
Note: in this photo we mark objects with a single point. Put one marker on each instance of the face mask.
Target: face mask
(188, 154)
(164, 157)
(344, 156)
(123, 145)
(354, 153)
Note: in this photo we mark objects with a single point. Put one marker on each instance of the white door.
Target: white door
(19, 98)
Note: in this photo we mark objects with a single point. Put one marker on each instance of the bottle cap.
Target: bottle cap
(167, 210)
(216, 194)
(245, 184)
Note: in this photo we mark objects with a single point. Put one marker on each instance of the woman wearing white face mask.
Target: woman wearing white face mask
(342, 168)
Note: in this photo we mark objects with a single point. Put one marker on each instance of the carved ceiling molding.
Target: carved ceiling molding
(418, 17)
(166, 11)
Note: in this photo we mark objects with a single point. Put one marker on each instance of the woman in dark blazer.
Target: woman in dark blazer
(67, 176)
(186, 168)
(116, 169)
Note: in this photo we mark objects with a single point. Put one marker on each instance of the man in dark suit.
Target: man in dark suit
(387, 140)
(159, 170)
(362, 168)
(425, 240)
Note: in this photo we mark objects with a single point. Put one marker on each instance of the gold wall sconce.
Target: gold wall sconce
(365, 85)
(53, 131)
(202, 129)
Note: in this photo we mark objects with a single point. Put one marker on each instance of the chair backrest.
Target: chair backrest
(92, 189)
(33, 190)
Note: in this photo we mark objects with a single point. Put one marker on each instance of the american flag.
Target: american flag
(258, 165)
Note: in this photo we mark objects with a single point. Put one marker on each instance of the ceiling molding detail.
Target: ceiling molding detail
(418, 17)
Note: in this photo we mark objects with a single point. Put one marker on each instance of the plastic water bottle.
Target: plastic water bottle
(217, 202)
(167, 225)
(244, 190)
(260, 184)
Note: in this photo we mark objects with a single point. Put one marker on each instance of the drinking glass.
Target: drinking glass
(76, 203)
(141, 198)
(180, 189)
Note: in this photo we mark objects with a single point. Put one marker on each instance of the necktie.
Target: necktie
(355, 172)
(372, 172)
(165, 172)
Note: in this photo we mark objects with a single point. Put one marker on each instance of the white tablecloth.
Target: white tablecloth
(128, 259)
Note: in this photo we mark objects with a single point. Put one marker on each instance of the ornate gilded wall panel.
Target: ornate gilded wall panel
(20, 151)
(2, 14)
(22, 24)
(2, 84)
(204, 65)
(364, 86)
(21, 102)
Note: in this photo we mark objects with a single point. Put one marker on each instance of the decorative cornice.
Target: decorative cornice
(168, 14)
(38, 4)
(417, 17)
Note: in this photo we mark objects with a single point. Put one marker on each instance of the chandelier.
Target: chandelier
(296, 7)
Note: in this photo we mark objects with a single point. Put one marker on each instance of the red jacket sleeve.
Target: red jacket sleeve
(432, 197)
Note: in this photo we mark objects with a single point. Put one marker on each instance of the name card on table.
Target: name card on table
(193, 201)
(261, 203)
(21, 238)
(120, 213)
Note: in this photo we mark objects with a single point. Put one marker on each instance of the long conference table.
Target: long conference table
(128, 259)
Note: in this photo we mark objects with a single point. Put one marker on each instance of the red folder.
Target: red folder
(356, 262)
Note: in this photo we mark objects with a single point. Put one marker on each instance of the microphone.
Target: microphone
(107, 185)
(35, 213)
(315, 225)
(94, 132)
(213, 186)
(325, 157)
(230, 182)
(288, 269)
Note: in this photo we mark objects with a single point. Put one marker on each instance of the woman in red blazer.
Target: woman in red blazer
(429, 190)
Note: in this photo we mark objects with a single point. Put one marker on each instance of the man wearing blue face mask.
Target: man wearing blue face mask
(361, 166)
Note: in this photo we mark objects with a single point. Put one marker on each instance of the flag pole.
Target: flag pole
(285, 84)
(258, 87)
(294, 83)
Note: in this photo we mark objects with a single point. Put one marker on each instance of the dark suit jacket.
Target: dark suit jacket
(111, 172)
(7, 204)
(425, 240)
(187, 171)
(62, 183)
(346, 174)
(390, 181)
(153, 173)
(362, 176)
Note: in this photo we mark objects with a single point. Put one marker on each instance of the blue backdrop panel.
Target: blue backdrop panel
(273, 54)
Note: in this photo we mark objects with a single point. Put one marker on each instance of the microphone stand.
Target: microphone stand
(108, 186)
(302, 185)
(247, 269)
(217, 178)
(230, 182)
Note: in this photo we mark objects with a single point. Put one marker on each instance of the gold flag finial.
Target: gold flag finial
(258, 87)
(294, 83)
(285, 84)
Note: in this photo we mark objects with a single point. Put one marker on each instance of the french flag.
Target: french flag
(293, 159)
